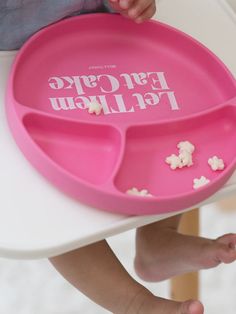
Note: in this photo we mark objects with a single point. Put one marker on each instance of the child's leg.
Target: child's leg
(97, 273)
(162, 252)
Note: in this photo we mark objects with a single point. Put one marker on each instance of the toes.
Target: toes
(227, 248)
(191, 307)
(228, 239)
(226, 254)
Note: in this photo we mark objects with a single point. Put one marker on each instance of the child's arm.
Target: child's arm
(138, 10)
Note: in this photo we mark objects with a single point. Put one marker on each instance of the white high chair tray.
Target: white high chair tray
(39, 221)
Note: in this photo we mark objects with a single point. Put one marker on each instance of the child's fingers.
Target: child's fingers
(126, 4)
(116, 6)
(122, 5)
(138, 8)
(147, 14)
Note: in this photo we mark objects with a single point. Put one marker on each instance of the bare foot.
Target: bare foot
(146, 303)
(164, 253)
(138, 10)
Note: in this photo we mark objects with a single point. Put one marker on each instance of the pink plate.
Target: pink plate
(157, 87)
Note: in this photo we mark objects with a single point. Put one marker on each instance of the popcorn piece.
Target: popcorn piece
(197, 183)
(186, 158)
(135, 191)
(216, 163)
(174, 161)
(186, 146)
(94, 107)
(144, 192)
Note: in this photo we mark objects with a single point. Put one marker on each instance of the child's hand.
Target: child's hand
(138, 10)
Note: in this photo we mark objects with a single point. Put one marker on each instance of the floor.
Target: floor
(34, 287)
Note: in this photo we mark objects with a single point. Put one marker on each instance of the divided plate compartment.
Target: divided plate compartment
(157, 87)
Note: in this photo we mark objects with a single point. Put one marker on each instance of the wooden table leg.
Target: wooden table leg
(186, 286)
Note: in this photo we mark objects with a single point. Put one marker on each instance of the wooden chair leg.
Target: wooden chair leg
(186, 286)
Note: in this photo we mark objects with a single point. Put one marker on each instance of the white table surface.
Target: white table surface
(37, 220)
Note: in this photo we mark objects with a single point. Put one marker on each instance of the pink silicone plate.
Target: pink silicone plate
(157, 87)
